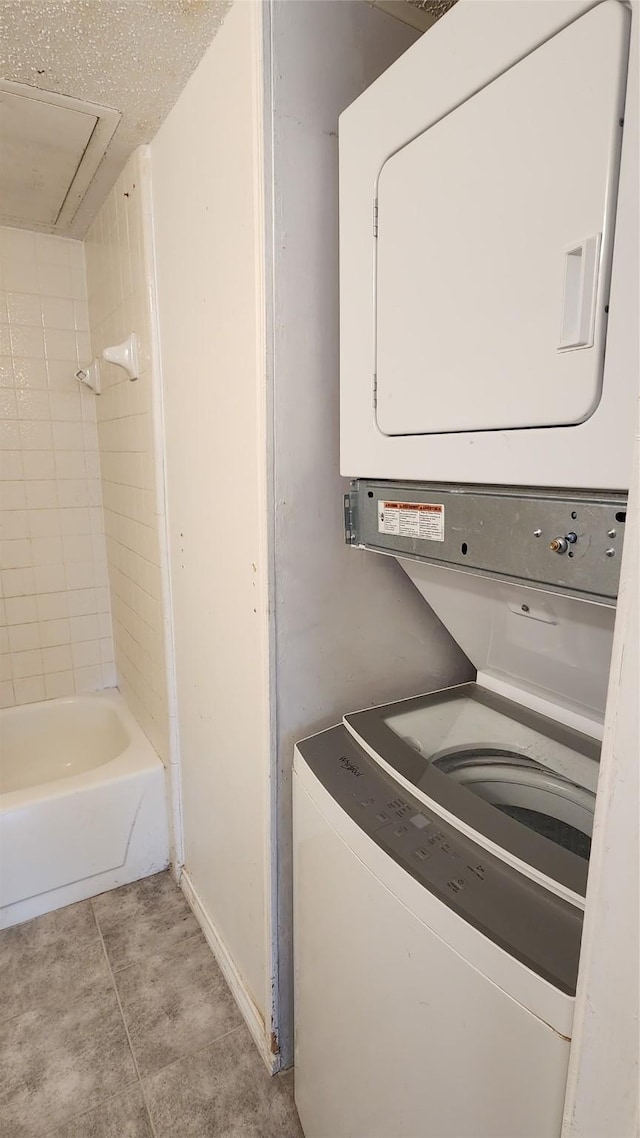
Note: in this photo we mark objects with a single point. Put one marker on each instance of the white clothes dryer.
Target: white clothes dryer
(489, 251)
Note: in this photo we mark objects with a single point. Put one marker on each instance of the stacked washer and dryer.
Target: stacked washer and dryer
(488, 204)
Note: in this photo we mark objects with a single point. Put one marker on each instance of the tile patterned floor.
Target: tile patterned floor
(116, 1022)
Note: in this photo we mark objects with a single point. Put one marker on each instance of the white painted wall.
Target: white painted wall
(350, 629)
(266, 597)
(207, 196)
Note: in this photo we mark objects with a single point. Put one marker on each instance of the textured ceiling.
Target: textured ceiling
(419, 14)
(132, 55)
(435, 8)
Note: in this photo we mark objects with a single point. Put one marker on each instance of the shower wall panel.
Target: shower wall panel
(55, 629)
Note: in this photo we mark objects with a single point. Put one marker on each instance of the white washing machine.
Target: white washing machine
(441, 844)
(434, 979)
(488, 251)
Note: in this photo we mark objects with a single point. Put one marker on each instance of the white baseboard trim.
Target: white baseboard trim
(239, 990)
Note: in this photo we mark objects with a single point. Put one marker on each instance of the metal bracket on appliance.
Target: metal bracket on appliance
(350, 528)
(559, 540)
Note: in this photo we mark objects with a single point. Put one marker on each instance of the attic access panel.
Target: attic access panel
(50, 147)
(494, 244)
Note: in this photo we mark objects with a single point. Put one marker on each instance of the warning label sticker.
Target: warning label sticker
(412, 519)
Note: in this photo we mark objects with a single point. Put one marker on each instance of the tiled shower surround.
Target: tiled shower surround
(55, 631)
(119, 278)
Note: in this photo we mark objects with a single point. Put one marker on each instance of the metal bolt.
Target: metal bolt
(558, 545)
(572, 537)
(611, 533)
(610, 553)
(537, 533)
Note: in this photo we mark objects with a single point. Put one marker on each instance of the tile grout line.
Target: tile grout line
(198, 1051)
(124, 1022)
(152, 956)
(91, 1110)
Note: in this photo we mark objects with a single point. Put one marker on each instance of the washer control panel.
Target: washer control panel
(532, 923)
(416, 837)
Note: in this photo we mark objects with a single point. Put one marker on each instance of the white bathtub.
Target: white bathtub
(82, 803)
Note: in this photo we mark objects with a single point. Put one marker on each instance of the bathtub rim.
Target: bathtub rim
(138, 757)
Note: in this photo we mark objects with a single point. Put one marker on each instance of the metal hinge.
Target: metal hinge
(350, 501)
(375, 218)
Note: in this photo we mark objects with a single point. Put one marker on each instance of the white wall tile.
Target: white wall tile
(53, 632)
(19, 276)
(70, 464)
(73, 492)
(35, 435)
(14, 524)
(24, 637)
(30, 373)
(25, 664)
(29, 690)
(6, 363)
(11, 465)
(44, 523)
(23, 308)
(58, 659)
(69, 436)
(27, 341)
(50, 578)
(15, 554)
(17, 582)
(59, 684)
(13, 495)
(21, 610)
(46, 550)
(88, 679)
(52, 606)
(8, 404)
(42, 494)
(83, 628)
(60, 344)
(39, 464)
(58, 312)
(7, 695)
(50, 495)
(32, 404)
(54, 280)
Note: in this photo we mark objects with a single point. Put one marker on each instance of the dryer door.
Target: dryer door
(494, 244)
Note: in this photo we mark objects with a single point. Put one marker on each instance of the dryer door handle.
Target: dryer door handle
(581, 263)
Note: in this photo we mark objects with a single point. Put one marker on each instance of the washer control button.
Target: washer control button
(456, 884)
(420, 822)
